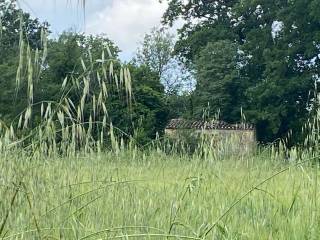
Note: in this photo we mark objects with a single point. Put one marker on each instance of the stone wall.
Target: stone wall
(232, 141)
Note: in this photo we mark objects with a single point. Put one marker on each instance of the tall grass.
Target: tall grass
(156, 196)
(67, 126)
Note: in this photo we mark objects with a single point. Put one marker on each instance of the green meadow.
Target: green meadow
(134, 195)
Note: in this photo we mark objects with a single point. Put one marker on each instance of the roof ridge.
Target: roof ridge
(180, 123)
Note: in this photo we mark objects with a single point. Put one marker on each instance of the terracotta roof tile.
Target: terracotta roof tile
(219, 125)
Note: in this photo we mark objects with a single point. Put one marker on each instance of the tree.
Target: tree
(205, 21)
(73, 57)
(143, 118)
(281, 55)
(283, 63)
(155, 51)
(149, 115)
(64, 60)
(203, 10)
(219, 83)
(14, 21)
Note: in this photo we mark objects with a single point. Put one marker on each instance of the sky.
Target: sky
(123, 21)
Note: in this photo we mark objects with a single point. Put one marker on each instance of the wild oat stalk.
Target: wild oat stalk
(66, 126)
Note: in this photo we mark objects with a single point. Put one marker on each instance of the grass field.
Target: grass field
(154, 196)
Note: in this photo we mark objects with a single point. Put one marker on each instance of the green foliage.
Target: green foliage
(64, 60)
(13, 101)
(220, 85)
(155, 51)
(193, 39)
(205, 22)
(280, 70)
(181, 105)
(198, 9)
(146, 114)
(279, 41)
(10, 21)
(149, 113)
(79, 75)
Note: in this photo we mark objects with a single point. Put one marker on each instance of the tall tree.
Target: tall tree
(205, 21)
(74, 57)
(156, 52)
(147, 113)
(14, 22)
(283, 63)
(220, 85)
(280, 42)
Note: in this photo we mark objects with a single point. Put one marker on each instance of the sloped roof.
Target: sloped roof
(213, 125)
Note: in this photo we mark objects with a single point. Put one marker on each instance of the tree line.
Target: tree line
(254, 60)
(261, 57)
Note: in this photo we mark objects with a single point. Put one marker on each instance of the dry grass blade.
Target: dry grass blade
(153, 235)
(81, 208)
(116, 229)
(173, 219)
(32, 210)
(32, 231)
(85, 193)
(4, 221)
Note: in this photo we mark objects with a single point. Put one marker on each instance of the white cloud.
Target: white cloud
(61, 14)
(123, 21)
(126, 21)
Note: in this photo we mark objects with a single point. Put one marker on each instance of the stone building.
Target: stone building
(234, 137)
